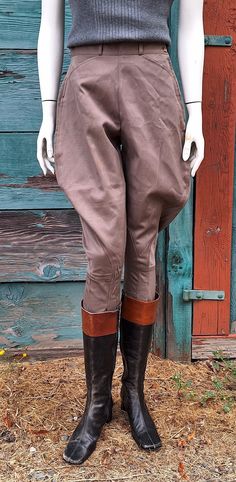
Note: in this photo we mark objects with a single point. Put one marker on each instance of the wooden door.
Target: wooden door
(198, 250)
(214, 245)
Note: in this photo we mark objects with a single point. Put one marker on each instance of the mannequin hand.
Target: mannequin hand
(45, 137)
(193, 134)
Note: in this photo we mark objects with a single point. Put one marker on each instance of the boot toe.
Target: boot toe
(76, 453)
(148, 441)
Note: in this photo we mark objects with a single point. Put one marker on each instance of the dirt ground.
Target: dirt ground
(193, 406)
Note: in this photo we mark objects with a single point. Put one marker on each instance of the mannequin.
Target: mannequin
(50, 60)
(102, 208)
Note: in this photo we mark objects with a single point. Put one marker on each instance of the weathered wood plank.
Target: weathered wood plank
(159, 335)
(20, 23)
(62, 351)
(43, 319)
(233, 260)
(22, 182)
(204, 346)
(74, 349)
(179, 245)
(214, 179)
(20, 98)
(41, 246)
(40, 315)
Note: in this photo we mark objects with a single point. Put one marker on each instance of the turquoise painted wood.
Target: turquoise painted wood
(20, 21)
(41, 246)
(40, 315)
(40, 253)
(233, 260)
(19, 84)
(42, 262)
(22, 183)
(179, 261)
(20, 93)
(159, 334)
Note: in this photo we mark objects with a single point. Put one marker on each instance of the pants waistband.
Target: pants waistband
(119, 48)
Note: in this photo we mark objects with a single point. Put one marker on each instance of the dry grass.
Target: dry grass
(39, 403)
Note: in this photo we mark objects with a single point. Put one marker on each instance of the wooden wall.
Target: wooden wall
(42, 260)
(43, 264)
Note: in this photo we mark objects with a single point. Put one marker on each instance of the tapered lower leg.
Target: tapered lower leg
(136, 326)
(100, 332)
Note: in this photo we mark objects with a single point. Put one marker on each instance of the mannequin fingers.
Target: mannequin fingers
(187, 148)
(197, 156)
(42, 164)
(40, 158)
(48, 154)
(196, 163)
(47, 162)
(49, 150)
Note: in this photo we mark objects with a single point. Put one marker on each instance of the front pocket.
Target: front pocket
(80, 59)
(76, 62)
(172, 72)
(164, 62)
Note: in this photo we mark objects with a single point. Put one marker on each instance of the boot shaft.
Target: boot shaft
(136, 329)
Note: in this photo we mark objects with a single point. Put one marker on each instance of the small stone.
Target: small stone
(50, 472)
(64, 438)
(7, 436)
(38, 475)
(32, 450)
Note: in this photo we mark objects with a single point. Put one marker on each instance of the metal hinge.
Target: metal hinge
(218, 40)
(203, 295)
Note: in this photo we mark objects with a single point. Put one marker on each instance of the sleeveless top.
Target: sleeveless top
(95, 21)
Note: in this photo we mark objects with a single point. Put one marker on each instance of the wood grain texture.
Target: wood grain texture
(214, 179)
(47, 353)
(43, 319)
(204, 346)
(159, 334)
(233, 259)
(22, 183)
(41, 246)
(179, 246)
(20, 23)
(20, 98)
(40, 315)
(70, 348)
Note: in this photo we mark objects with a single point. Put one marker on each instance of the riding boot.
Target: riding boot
(136, 327)
(100, 336)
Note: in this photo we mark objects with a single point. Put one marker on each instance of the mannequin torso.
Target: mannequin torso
(94, 21)
(191, 58)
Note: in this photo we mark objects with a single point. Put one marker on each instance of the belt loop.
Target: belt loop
(100, 49)
(140, 48)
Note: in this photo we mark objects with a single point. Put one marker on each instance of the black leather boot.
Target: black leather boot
(136, 326)
(100, 346)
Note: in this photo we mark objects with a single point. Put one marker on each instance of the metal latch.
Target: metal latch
(203, 295)
(218, 40)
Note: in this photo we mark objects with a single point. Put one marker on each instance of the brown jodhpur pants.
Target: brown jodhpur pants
(118, 158)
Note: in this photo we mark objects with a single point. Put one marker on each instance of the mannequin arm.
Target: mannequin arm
(191, 60)
(50, 51)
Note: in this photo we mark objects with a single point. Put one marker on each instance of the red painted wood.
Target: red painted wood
(214, 179)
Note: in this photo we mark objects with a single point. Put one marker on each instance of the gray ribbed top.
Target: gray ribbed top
(95, 21)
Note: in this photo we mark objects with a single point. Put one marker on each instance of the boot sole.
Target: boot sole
(71, 461)
(152, 448)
